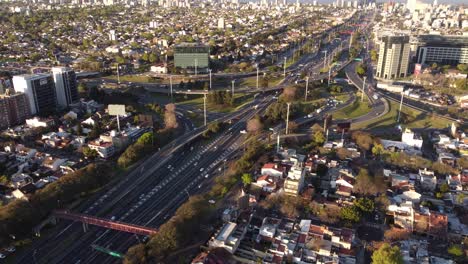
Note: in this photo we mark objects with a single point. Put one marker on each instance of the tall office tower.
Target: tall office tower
(40, 90)
(66, 87)
(14, 109)
(393, 56)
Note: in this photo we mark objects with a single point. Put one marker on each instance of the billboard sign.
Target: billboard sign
(115, 109)
(417, 69)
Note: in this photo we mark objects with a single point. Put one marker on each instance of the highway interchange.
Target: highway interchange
(154, 189)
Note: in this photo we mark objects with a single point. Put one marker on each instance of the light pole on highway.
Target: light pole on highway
(257, 76)
(188, 194)
(363, 88)
(284, 67)
(325, 59)
(307, 88)
(329, 71)
(118, 74)
(209, 70)
(170, 87)
(196, 66)
(232, 82)
(204, 108)
(399, 111)
(287, 119)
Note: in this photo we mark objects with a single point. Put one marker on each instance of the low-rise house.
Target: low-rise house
(104, 149)
(229, 237)
(344, 183)
(266, 182)
(412, 139)
(427, 180)
(40, 122)
(19, 180)
(160, 68)
(24, 154)
(268, 229)
(273, 169)
(53, 163)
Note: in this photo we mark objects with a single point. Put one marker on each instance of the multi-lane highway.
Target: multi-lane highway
(155, 188)
(148, 196)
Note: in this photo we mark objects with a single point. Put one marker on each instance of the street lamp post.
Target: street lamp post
(363, 88)
(232, 82)
(210, 78)
(287, 119)
(399, 111)
(196, 66)
(325, 59)
(170, 87)
(118, 74)
(257, 76)
(204, 109)
(284, 67)
(307, 88)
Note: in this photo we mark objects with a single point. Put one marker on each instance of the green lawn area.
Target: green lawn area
(252, 81)
(410, 118)
(356, 109)
(131, 78)
(342, 97)
(239, 100)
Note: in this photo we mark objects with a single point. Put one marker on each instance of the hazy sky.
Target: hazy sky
(401, 1)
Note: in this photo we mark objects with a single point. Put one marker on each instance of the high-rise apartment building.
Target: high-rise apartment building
(394, 53)
(14, 109)
(443, 49)
(40, 90)
(66, 87)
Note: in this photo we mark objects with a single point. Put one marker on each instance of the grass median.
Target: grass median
(356, 109)
(410, 118)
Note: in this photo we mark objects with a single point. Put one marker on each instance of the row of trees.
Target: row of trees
(184, 227)
(19, 217)
(220, 98)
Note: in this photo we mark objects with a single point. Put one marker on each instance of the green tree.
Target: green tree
(455, 250)
(361, 70)
(4, 180)
(246, 179)
(318, 138)
(89, 153)
(119, 59)
(378, 150)
(152, 58)
(364, 183)
(373, 55)
(350, 214)
(365, 205)
(387, 254)
(79, 129)
(463, 67)
(444, 188)
(82, 88)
